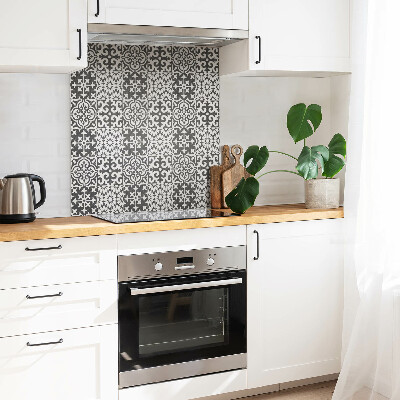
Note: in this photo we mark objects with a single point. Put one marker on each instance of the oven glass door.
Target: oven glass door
(173, 320)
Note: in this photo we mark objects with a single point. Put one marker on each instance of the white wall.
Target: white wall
(253, 111)
(35, 134)
(35, 128)
(340, 98)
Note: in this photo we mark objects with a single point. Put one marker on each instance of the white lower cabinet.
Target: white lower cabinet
(57, 261)
(57, 307)
(82, 364)
(48, 287)
(295, 301)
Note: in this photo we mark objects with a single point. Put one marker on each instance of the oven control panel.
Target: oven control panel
(143, 266)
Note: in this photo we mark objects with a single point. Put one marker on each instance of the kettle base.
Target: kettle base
(16, 218)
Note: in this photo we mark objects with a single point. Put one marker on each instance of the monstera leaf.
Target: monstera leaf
(303, 121)
(259, 157)
(243, 196)
(337, 146)
(307, 165)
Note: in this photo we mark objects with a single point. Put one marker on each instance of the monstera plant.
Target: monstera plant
(302, 122)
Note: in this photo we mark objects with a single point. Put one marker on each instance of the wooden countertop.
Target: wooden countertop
(54, 228)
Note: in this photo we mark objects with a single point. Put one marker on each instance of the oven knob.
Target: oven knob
(158, 266)
(210, 261)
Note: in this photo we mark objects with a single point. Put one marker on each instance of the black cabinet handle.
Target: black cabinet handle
(98, 9)
(59, 247)
(44, 344)
(258, 246)
(80, 43)
(59, 294)
(259, 49)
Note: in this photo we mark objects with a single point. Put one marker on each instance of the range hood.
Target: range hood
(163, 36)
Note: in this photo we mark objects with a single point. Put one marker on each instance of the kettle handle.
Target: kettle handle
(42, 186)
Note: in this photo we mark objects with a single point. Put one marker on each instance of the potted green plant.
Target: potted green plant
(317, 165)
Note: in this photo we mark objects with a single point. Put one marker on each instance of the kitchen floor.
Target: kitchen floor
(318, 391)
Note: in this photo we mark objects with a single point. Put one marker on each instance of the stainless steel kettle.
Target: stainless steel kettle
(17, 198)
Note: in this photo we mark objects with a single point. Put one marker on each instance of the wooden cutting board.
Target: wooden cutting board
(216, 178)
(232, 176)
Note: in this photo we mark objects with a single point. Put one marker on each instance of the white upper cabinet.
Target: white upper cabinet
(43, 35)
(295, 301)
(292, 37)
(223, 14)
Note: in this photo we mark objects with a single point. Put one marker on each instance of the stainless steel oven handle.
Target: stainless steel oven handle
(186, 286)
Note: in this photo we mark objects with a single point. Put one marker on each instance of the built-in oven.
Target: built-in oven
(181, 314)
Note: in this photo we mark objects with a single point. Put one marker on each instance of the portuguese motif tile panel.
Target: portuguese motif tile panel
(144, 128)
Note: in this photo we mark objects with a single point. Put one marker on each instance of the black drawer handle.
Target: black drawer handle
(258, 246)
(59, 247)
(98, 9)
(80, 43)
(43, 344)
(59, 294)
(259, 49)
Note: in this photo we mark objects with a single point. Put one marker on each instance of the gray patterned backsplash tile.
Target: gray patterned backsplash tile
(144, 128)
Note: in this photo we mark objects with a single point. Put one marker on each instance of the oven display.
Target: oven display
(184, 260)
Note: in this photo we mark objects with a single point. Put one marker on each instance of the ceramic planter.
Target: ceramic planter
(322, 193)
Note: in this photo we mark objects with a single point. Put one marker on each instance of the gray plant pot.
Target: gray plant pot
(322, 193)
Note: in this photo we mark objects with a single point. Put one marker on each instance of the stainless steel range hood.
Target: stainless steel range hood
(163, 36)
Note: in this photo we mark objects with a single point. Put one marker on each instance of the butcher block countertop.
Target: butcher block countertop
(54, 228)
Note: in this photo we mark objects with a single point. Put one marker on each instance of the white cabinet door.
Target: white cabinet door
(304, 35)
(225, 14)
(43, 35)
(55, 261)
(57, 307)
(295, 301)
(292, 37)
(84, 366)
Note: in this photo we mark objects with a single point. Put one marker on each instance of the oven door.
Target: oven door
(175, 327)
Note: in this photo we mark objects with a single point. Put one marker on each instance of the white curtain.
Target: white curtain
(371, 332)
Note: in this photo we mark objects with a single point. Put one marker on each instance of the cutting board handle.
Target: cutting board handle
(226, 161)
(235, 153)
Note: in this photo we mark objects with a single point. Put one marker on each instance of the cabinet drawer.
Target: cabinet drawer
(53, 261)
(57, 307)
(84, 366)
